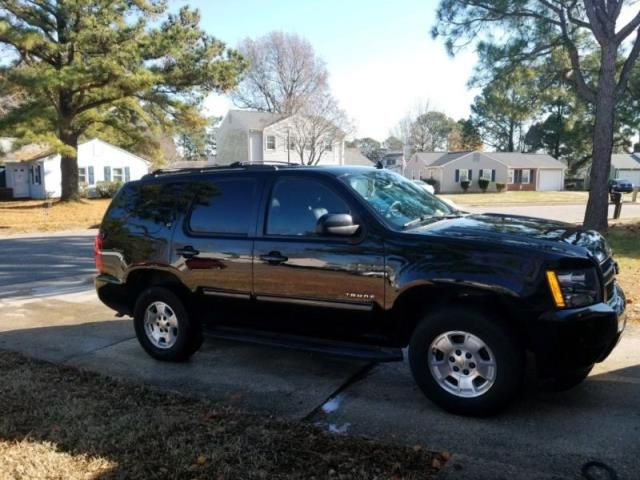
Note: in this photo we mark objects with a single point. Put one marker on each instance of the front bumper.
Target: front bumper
(574, 338)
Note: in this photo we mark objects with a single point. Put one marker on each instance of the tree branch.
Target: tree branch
(628, 28)
(629, 63)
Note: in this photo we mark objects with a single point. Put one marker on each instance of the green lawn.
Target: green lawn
(624, 239)
(517, 198)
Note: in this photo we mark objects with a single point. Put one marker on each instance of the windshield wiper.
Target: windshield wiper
(424, 218)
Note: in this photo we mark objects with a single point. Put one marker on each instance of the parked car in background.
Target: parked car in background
(359, 262)
(620, 185)
(424, 185)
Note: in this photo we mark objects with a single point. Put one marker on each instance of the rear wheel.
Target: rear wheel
(164, 327)
(466, 362)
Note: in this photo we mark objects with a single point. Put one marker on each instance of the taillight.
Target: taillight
(97, 251)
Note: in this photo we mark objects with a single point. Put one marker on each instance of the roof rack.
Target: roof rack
(269, 165)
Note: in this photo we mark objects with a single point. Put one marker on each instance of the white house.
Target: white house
(518, 171)
(258, 137)
(34, 172)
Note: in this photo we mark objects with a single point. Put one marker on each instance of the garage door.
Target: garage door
(632, 175)
(550, 180)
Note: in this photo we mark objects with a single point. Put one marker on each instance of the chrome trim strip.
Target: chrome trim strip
(316, 303)
(217, 293)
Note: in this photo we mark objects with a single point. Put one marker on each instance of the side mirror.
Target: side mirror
(340, 224)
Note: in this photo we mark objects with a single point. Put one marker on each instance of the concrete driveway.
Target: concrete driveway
(544, 436)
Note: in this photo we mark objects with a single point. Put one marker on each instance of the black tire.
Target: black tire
(507, 351)
(189, 333)
(567, 380)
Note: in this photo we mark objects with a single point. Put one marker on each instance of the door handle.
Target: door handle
(273, 258)
(187, 251)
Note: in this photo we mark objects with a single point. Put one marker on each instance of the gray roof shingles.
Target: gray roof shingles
(511, 159)
(626, 161)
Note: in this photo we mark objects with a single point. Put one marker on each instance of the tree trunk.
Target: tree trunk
(511, 145)
(598, 205)
(69, 169)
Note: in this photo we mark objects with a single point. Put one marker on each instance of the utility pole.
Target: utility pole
(288, 147)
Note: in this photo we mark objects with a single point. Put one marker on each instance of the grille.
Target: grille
(608, 268)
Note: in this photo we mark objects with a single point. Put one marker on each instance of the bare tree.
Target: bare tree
(284, 74)
(316, 129)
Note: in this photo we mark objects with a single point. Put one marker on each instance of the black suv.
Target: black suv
(360, 262)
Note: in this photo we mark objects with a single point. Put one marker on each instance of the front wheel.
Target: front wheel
(466, 362)
(566, 380)
(164, 327)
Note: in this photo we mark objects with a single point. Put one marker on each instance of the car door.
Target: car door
(295, 264)
(214, 248)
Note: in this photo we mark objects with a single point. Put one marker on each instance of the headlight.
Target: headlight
(575, 288)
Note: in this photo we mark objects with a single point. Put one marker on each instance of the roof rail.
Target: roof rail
(270, 165)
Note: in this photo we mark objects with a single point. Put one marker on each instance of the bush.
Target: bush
(83, 190)
(433, 182)
(465, 185)
(107, 189)
(500, 186)
(483, 183)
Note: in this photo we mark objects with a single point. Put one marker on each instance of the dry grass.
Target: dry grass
(518, 198)
(36, 216)
(624, 238)
(59, 422)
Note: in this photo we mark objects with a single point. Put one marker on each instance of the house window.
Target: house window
(271, 142)
(511, 176)
(328, 145)
(522, 176)
(118, 175)
(486, 174)
(38, 174)
(82, 175)
(464, 175)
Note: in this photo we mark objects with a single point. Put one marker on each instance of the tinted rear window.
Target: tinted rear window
(225, 207)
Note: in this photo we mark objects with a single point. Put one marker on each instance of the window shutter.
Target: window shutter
(91, 176)
(470, 174)
(493, 175)
(481, 171)
(127, 174)
(457, 175)
(107, 174)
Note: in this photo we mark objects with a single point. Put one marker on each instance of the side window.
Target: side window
(296, 204)
(224, 207)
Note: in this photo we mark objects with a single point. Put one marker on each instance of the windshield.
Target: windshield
(400, 201)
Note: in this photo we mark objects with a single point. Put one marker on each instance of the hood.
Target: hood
(521, 231)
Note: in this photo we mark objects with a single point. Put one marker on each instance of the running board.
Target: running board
(339, 349)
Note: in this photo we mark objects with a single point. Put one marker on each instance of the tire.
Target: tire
(170, 334)
(567, 380)
(469, 341)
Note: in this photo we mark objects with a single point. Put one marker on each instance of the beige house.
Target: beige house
(353, 157)
(258, 137)
(518, 171)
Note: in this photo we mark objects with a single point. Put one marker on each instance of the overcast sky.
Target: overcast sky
(379, 53)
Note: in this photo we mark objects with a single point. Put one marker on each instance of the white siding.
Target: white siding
(96, 154)
(232, 141)
(473, 162)
(99, 154)
(282, 131)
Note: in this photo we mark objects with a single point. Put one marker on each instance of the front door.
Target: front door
(296, 265)
(255, 147)
(20, 177)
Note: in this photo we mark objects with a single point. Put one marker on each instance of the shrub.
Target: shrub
(465, 185)
(483, 183)
(107, 189)
(83, 190)
(500, 186)
(433, 182)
